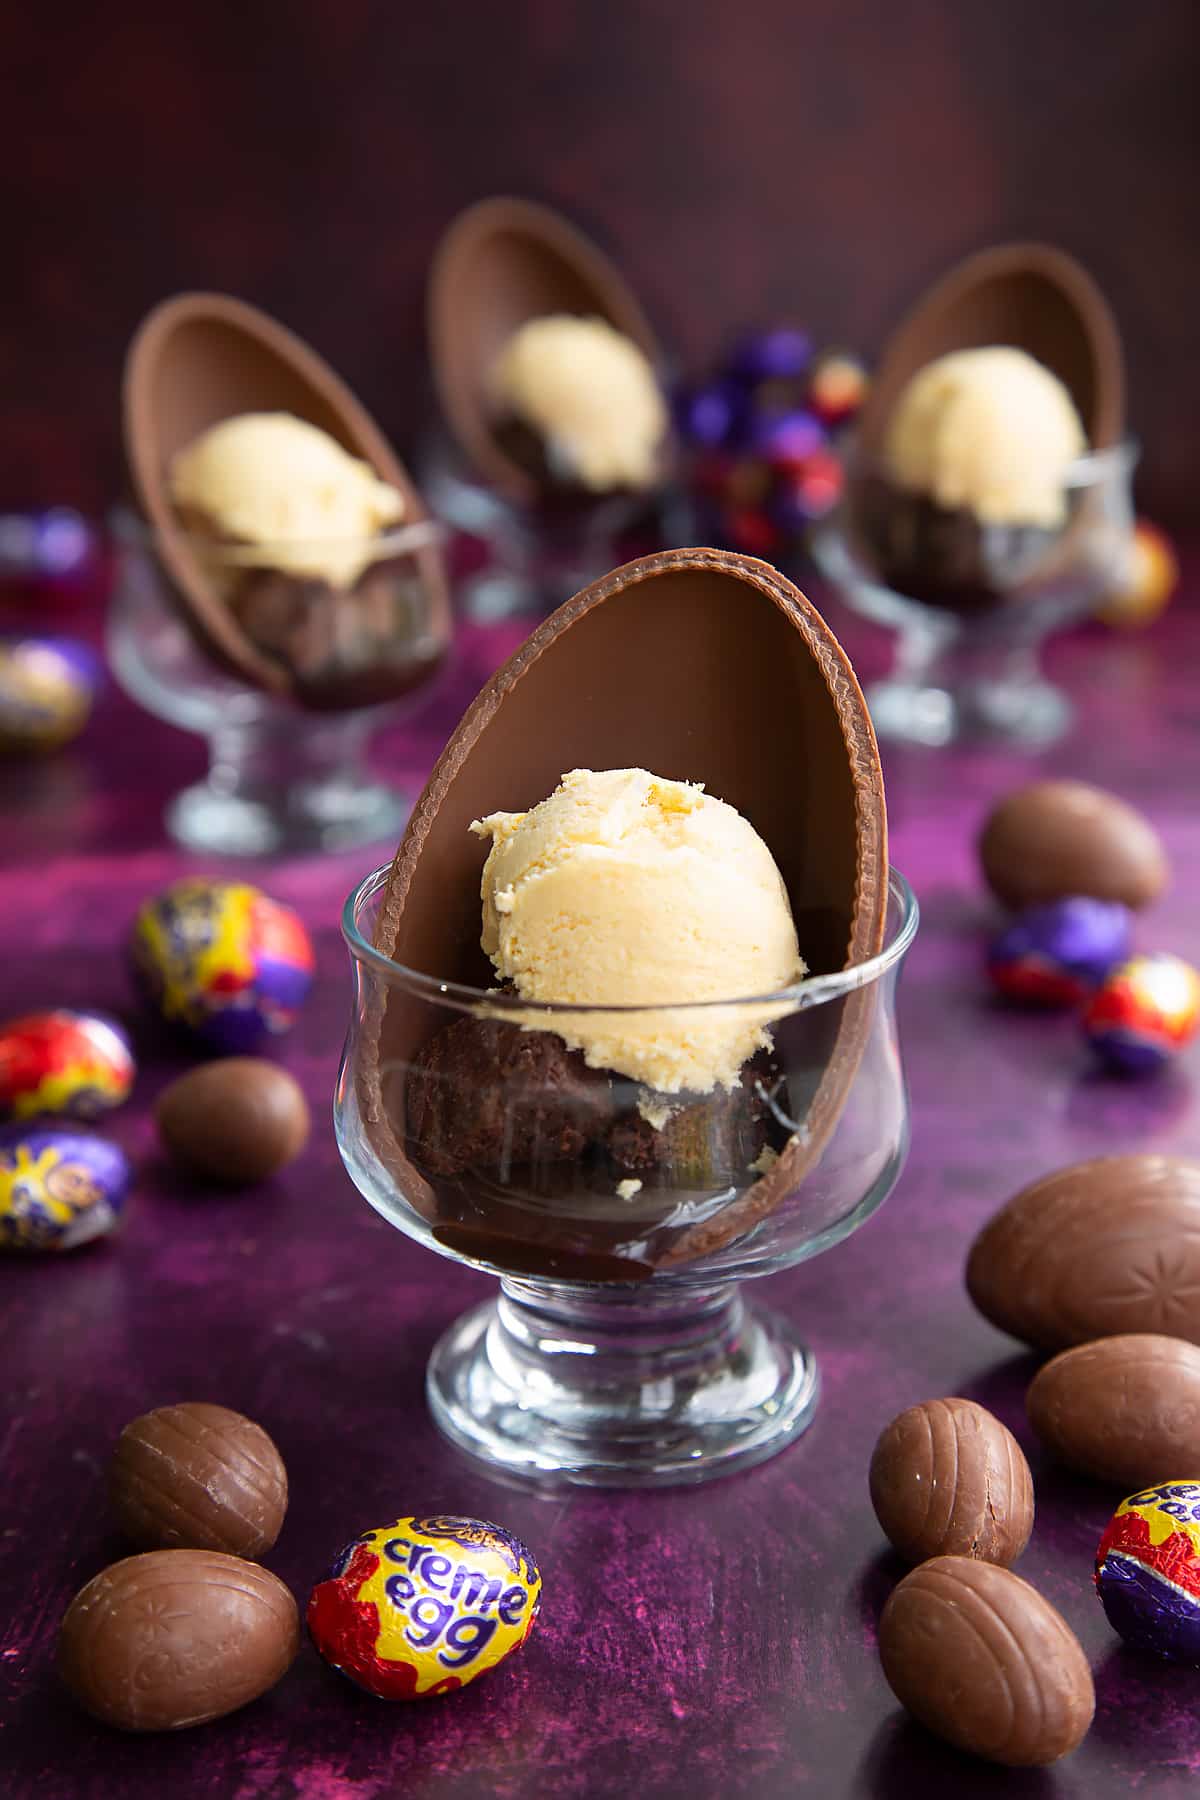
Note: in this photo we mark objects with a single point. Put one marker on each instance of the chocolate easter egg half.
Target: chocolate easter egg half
(700, 666)
(501, 263)
(198, 359)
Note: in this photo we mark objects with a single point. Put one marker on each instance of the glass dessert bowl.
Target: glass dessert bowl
(620, 1351)
(972, 603)
(285, 774)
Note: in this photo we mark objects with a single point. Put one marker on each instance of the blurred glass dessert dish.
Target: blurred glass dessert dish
(282, 776)
(987, 594)
(556, 435)
(620, 1351)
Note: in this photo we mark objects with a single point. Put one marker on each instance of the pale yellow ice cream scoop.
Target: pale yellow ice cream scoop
(623, 889)
(590, 393)
(288, 491)
(988, 430)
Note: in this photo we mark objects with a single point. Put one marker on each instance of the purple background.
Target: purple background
(715, 1642)
(825, 158)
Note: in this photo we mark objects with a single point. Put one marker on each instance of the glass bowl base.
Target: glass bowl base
(335, 814)
(1032, 713)
(553, 1386)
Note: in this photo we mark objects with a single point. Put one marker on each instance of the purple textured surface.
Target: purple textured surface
(696, 1643)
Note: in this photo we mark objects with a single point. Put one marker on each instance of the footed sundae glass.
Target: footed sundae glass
(282, 777)
(621, 1350)
(968, 669)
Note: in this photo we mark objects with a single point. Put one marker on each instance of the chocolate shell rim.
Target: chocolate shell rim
(211, 620)
(802, 996)
(618, 304)
(1097, 321)
(844, 691)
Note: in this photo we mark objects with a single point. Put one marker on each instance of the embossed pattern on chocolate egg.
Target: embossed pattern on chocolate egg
(980, 1658)
(175, 1638)
(1101, 1247)
(238, 1120)
(1124, 1409)
(948, 1479)
(1054, 839)
(198, 1477)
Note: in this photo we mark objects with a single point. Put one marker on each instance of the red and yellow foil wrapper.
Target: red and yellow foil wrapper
(65, 1063)
(1148, 1570)
(1146, 1011)
(424, 1605)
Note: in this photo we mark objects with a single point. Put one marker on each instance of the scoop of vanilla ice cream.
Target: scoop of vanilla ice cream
(287, 489)
(591, 395)
(989, 430)
(623, 889)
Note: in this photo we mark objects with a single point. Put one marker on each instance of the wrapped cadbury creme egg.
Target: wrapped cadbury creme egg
(423, 1606)
(63, 1062)
(1148, 1009)
(47, 686)
(58, 1188)
(1148, 1571)
(223, 960)
(1057, 955)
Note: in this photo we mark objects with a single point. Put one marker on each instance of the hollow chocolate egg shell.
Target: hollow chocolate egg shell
(701, 666)
(59, 1188)
(1148, 1571)
(223, 961)
(199, 358)
(501, 263)
(424, 1605)
(63, 1062)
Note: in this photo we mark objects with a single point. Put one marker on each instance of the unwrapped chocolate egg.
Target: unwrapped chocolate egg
(1057, 955)
(198, 1477)
(222, 960)
(1148, 1571)
(424, 1605)
(47, 686)
(175, 1638)
(58, 1188)
(237, 1120)
(1122, 1409)
(1144, 1014)
(949, 1479)
(63, 1062)
(1051, 840)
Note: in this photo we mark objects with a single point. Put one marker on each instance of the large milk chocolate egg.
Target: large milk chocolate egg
(1122, 1409)
(1053, 839)
(1099, 1248)
(424, 1605)
(176, 1638)
(701, 666)
(501, 263)
(197, 359)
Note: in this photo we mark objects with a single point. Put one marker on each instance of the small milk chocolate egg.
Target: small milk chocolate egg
(948, 1479)
(223, 961)
(979, 1657)
(424, 1605)
(59, 1188)
(1148, 1571)
(1102, 1247)
(198, 1477)
(63, 1061)
(175, 1638)
(1124, 1409)
(1053, 839)
(239, 1119)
